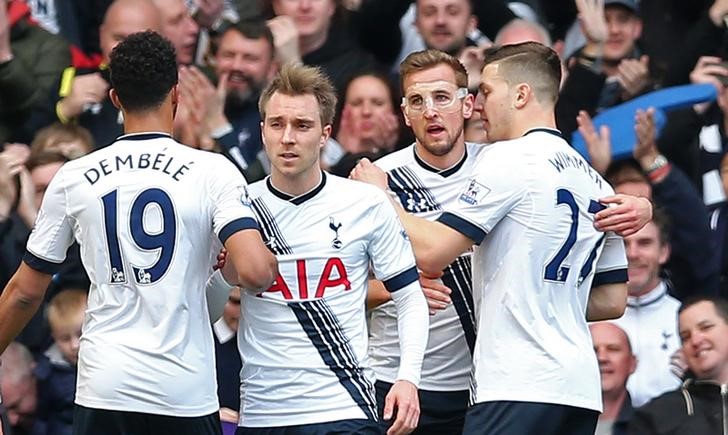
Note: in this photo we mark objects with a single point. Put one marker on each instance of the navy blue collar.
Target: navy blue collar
(545, 130)
(300, 199)
(442, 172)
(144, 136)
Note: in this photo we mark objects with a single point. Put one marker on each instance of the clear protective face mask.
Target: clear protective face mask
(439, 95)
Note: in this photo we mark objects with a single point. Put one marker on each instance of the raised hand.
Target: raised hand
(645, 150)
(593, 25)
(285, 39)
(365, 171)
(86, 89)
(598, 144)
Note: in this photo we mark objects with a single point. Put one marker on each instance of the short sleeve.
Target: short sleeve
(611, 265)
(52, 233)
(228, 194)
(390, 250)
(484, 199)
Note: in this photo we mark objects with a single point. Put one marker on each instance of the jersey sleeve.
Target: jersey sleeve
(485, 199)
(390, 250)
(228, 193)
(611, 265)
(52, 233)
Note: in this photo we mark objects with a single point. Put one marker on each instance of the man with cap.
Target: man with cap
(610, 68)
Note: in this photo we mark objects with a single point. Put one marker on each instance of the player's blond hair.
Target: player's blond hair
(294, 80)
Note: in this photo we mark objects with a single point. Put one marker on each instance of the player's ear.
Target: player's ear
(522, 95)
(326, 134)
(404, 115)
(114, 99)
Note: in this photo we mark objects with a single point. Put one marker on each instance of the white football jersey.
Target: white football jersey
(303, 341)
(147, 212)
(535, 198)
(426, 192)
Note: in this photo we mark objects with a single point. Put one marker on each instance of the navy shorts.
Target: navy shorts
(342, 427)
(441, 412)
(92, 421)
(527, 418)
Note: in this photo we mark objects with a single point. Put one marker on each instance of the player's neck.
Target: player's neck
(445, 161)
(148, 121)
(613, 404)
(531, 120)
(296, 185)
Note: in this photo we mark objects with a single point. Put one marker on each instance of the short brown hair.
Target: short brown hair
(40, 157)
(296, 80)
(65, 304)
(426, 59)
(529, 62)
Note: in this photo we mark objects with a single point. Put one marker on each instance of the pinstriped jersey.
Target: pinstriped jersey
(147, 212)
(531, 202)
(426, 191)
(303, 341)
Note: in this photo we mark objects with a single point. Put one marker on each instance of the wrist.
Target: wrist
(64, 111)
(593, 49)
(5, 57)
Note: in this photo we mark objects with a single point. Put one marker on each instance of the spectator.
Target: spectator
(315, 33)
(178, 26)
(369, 125)
(25, 82)
(70, 140)
(616, 364)
(650, 319)
(56, 369)
(610, 68)
(84, 92)
(693, 265)
(443, 24)
(698, 406)
(19, 390)
(244, 64)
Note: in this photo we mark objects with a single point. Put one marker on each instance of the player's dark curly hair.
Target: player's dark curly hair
(143, 70)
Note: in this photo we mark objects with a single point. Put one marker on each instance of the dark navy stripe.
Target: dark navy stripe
(271, 233)
(349, 373)
(402, 279)
(296, 200)
(233, 227)
(412, 194)
(456, 277)
(40, 264)
(442, 172)
(469, 230)
(612, 277)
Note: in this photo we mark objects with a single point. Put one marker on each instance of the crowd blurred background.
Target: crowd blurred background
(54, 107)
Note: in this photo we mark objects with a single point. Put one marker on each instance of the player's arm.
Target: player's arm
(608, 295)
(436, 293)
(20, 300)
(255, 265)
(435, 245)
(606, 302)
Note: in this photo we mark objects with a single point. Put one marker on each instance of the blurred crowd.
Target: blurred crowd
(54, 107)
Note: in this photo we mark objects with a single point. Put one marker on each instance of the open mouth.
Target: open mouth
(435, 130)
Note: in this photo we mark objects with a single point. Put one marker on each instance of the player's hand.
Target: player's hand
(227, 415)
(366, 172)
(436, 293)
(226, 268)
(598, 144)
(402, 401)
(629, 215)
